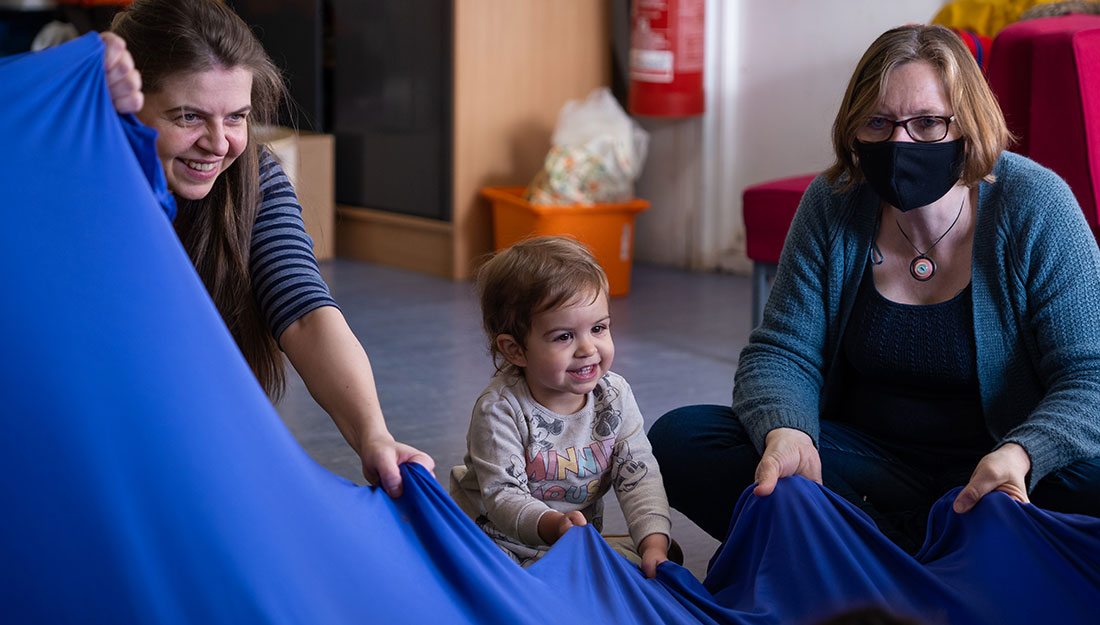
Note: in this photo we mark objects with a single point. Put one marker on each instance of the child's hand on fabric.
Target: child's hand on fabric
(654, 550)
(123, 79)
(553, 525)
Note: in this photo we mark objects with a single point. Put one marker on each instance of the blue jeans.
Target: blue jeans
(707, 461)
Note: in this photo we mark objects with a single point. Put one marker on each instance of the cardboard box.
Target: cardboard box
(308, 158)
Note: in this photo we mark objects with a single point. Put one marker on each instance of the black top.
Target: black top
(913, 375)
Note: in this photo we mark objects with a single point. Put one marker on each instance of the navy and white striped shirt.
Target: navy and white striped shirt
(285, 278)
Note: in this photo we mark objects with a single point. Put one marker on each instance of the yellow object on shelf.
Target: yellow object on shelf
(607, 229)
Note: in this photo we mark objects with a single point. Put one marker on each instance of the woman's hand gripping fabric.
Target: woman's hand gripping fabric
(787, 452)
(123, 78)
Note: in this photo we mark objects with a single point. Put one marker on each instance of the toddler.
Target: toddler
(555, 429)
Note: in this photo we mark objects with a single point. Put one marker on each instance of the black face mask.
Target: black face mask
(908, 175)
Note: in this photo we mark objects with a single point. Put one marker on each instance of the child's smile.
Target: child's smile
(585, 373)
(567, 352)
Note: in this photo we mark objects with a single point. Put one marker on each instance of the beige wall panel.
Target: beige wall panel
(516, 63)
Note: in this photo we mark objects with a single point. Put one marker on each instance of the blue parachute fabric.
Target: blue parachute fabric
(145, 477)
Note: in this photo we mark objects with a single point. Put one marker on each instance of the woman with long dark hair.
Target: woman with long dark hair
(205, 84)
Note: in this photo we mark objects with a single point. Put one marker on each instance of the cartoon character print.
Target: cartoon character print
(606, 422)
(545, 427)
(604, 393)
(628, 472)
(517, 470)
(607, 418)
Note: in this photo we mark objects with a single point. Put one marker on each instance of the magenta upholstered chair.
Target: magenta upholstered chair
(1046, 74)
(768, 209)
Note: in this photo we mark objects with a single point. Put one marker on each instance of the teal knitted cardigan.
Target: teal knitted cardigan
(1036, 295)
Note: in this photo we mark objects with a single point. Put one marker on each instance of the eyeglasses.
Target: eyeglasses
(923, 129)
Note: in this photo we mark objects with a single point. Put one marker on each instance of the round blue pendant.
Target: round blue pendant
(922, 268)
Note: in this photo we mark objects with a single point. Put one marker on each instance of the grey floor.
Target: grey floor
(677, 337)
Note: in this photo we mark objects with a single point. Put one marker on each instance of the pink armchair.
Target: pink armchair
(1046, 74)
(768, 209)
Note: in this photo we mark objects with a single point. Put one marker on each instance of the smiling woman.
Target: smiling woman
(201, 119)
(195, 57)
(207, 84)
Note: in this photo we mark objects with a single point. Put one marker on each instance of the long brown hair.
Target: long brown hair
(977, 114)
(168, 37)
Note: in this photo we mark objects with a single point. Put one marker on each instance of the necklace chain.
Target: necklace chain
(922, 267)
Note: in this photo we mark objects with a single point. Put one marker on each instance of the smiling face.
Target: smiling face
(201, 121)
(566, 353)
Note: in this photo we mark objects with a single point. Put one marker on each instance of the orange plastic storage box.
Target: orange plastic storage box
(607, 229)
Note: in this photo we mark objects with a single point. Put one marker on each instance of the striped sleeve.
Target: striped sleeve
(285, 277)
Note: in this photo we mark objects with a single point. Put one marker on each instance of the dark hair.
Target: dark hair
(977, 114)
(533, 276)
(168, 37)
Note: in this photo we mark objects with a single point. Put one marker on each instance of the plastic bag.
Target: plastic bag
(597, 153)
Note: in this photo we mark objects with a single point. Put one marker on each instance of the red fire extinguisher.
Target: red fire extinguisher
(666, 58)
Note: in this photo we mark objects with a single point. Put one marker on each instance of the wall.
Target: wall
(515, 63)
(776, 71)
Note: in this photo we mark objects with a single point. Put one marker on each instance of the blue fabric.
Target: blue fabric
(145, 478)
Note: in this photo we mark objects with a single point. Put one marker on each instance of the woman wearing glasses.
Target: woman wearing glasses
(935, 319)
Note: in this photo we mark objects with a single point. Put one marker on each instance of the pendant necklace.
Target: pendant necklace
(922, 267)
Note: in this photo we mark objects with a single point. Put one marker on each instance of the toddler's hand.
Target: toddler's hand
(654, 550)
(553, 525)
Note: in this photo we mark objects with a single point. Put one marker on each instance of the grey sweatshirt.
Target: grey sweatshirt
(523, 460)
